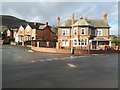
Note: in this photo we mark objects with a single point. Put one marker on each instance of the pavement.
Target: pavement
(24, 68)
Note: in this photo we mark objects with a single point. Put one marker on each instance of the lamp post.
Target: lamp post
(88, 45)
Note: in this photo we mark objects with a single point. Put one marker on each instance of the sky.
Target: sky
(49, 11)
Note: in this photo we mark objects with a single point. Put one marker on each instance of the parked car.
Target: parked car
(6, 41)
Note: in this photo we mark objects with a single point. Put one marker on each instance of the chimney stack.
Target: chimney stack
(46, 23)
(105, 16)
(58, 20)
(73, 19)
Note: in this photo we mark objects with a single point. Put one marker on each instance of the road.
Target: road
(23, 68)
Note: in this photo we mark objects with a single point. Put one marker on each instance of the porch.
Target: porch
(100, 43)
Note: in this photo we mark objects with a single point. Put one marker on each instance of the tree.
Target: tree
(116, 41)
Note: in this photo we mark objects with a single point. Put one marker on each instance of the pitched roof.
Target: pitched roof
(67, 23)
(82, 22)
(36, 26)
(86, 22)
(98, 22)
(42, 26)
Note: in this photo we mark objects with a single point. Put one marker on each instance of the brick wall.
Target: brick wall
(45, 34)
(76, 52)
(51, 50)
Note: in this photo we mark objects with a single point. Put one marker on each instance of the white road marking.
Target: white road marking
(19, 57)
(64, 58)
(32, 61)
(49, 59)
(42, 60)
(30, 51)
(71, 65)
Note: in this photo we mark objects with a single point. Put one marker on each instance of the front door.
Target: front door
(93, 44)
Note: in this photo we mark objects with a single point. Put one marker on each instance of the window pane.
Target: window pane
(75, 32)
(79, 42)
(82, 42)
(85, 41)
(75, 42)
(82, 31)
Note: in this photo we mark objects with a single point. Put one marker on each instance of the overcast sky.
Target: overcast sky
(49, 11)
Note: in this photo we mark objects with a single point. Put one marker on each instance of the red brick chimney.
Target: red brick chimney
(46, 23)
(58, 20)
(73, 19)
(105, 16)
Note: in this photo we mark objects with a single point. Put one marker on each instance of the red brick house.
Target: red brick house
(84, 32)
(35, 31)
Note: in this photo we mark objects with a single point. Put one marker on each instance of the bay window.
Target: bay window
(65, 43)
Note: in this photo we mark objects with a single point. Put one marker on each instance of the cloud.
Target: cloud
(49, 11)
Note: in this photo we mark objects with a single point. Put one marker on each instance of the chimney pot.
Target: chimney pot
(73, 19)
(47, 23)
(58, 20)
(105, 16)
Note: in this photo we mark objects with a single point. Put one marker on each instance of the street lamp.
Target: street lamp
(88, 45)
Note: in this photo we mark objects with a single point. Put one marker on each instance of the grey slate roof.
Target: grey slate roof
(67, 23)
(35, 26)
(82, 22)
(98, 22)
(86, 22)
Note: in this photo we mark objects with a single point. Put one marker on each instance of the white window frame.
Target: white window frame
(65, 42)
(81, 31)
(21, 31)
(75, 31)
(8, 32)
(27, 33)
(76, 42)
(66, 32)
(98, 32)
(79, 42)
(83, 42)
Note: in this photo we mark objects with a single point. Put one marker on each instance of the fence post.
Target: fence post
(37, 43)
(57, 45)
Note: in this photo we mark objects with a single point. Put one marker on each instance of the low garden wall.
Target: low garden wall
(51, 50)
(65, 51)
